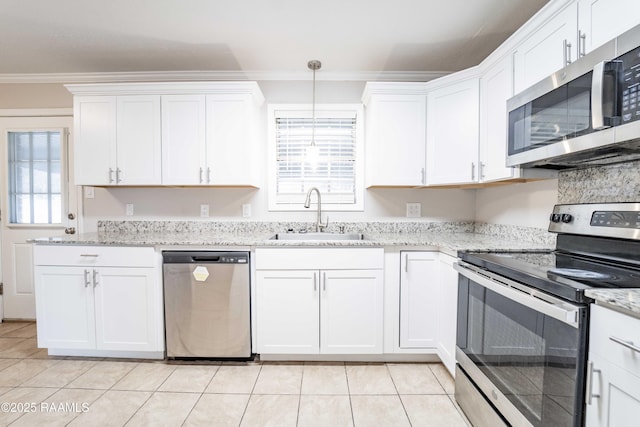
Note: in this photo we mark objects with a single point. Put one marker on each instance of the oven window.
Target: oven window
(533, 359)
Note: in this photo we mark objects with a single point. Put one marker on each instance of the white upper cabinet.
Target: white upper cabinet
(95, 139)
(184, 150)
(232, 152)
(496, 87)
(546, 50)
(395, 134)
(117, 140)
(167, 133)
(452, 133)
(138, 140)
(601, 20)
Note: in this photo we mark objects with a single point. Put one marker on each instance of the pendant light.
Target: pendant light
(312, 151)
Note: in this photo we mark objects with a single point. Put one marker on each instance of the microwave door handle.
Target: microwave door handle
(603, 95)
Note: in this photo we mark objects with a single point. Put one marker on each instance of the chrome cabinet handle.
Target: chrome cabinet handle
(590, 372)
(87, 282)
(567, 52)
(95, 278)
(315, 281)
(324, 281)
(208, 175)
(118, 171)
(582, 44)
(200, 175)
(473, 171)
(627, 344)
(110, 176)
(423, 179)
(89, 255)
(406, 263)
(482, 166)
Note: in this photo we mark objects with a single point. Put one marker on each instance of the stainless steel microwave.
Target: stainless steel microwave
(586, 114)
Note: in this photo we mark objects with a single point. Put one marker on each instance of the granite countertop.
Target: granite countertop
(448, 242)
(624, 300)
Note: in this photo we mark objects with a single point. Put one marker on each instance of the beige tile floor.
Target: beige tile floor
(36, 389)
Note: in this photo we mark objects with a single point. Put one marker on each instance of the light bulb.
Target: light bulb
(311, 155)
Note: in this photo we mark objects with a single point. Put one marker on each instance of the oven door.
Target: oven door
(525, 350)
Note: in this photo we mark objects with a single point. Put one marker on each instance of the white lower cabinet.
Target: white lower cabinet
(88, 305)
(428, 304)
(447, 312)
(418, 302)
(613, 383)
(321, 310)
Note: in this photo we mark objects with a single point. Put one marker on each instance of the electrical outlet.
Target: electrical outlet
(246, 210)
(414, 210)
(204, 211)
(129, 209)
(89, 193)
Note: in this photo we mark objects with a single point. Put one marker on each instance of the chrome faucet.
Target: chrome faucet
(320, 226)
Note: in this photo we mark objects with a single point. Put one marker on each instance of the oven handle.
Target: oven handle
(553, 307)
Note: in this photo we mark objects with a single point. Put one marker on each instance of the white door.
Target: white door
(125, 323)
(351, 312)
(65, 307)
(288, 315)
(447, 312)
(418, 299)
(38, 199)
(453, 118)
(601, 20)
(184, 151)
(139, 155)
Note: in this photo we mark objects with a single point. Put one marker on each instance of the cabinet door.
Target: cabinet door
(139, 156)
(447, 312)
(545, 51)
(64, 308)
(418, 299)
(95, 139)
(288, 318)
(496, 87)
(619, 400)
(395, 127)
(125, 309)
(452, 133)
(602, 20)
(231, 146)
(183, 140)
(351, 312)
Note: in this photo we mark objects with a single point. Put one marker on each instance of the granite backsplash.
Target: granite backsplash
(614, 183)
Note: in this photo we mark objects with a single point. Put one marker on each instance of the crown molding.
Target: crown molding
(164, 76)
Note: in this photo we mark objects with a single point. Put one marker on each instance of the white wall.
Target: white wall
(524, 204)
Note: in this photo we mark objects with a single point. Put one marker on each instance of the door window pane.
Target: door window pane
(35, 179)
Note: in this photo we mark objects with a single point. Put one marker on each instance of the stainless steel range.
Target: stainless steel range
(523, 317)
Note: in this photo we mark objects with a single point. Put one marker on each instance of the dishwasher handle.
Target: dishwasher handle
(205, 258)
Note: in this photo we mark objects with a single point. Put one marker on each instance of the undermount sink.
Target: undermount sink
(318, 236)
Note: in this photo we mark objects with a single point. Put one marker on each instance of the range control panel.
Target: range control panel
(615, 219)
(620, 220)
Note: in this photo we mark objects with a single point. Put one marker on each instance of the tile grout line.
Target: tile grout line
(353, 418)
(250, 396)
(398, 393)
(200, 397)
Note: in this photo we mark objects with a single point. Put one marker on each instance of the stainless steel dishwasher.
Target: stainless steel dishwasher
(206, 304)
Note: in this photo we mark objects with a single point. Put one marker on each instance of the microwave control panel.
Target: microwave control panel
(629, 86)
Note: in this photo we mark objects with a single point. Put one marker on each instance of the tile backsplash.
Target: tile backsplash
(613, 183)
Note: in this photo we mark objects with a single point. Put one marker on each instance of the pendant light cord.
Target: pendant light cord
(313, 65)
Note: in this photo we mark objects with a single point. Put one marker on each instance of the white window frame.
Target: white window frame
(322, 110)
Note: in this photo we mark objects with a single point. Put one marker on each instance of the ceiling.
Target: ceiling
(263, 37)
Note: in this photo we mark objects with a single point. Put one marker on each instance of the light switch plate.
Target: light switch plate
(204, 211)
(129, 209)
(414, 210)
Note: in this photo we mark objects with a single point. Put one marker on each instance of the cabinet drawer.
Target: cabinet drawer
(607, 325)
(319, 258)
(112, 256)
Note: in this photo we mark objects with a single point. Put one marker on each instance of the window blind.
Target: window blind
(334, 170)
